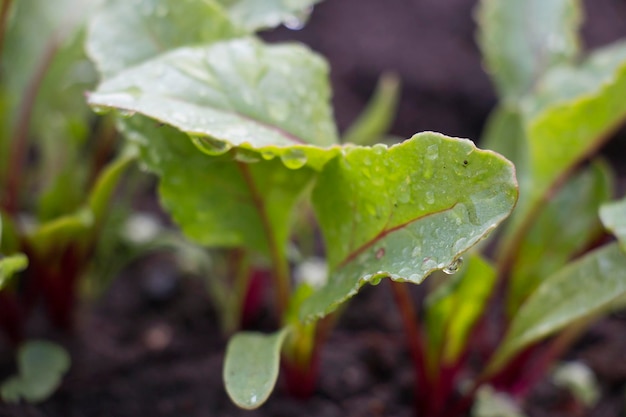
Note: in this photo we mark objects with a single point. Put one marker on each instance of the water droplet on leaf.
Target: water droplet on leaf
(380, 253)
(299, 19)
(294, 158)
(454, 266)
(125, 114)
(211, 146)
(247, 156)
(101, 110)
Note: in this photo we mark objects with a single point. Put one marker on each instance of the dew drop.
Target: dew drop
(430, 197)
(432, 152)
(379, 148)
(404, 197)
(375, 280)
(211, 146)
(454, 266)
(428, 264)
(294, 158)
(101, 110)
(416, 251)
(125, 114)
(299, 19)
(247, 156)
(267, 155)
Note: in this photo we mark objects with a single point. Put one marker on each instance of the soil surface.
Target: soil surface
(143, 351)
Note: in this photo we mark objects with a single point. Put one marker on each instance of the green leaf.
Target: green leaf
(453, 309)
(11, 265)
(253, 15)
(520, 40)
(405, 211)
(274, 99)
(567, 224)
(613, 216)
(572, 111)
(41, 366)
(379, 114)
(581, 290)
(126, 33)
(251, 367)
(219, 200)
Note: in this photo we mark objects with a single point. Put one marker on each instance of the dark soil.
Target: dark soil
(138, 352)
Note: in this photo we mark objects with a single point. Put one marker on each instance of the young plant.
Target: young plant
(55, 177)
(241, 132)
(554, 270)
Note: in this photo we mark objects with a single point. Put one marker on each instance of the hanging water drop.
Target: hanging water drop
(247, 156)
(211, 146)
(125, 114)
(294, 158)
(267, 155)
(454, 266)
(298, 19)
(101, 110)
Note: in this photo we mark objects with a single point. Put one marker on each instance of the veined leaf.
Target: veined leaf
(219, 200)
(253, 15)
(572, 111)
(125, 33)
(251, 367)
(453, 309)
(613, 216)
(405, 211)
(273, 99)
(520, 40)
(581, 290)
(567, 224)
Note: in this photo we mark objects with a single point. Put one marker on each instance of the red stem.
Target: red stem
(412, 328)
(19, 142)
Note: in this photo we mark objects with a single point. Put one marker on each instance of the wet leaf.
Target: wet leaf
(218, 200)
(251, 367)
(272, 99)
(405, 211)
(520, 40)
(581, 290)
(125, 33)
(253, 15)
(42, 365)
(613, 216)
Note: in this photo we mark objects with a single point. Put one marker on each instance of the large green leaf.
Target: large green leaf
(253, 15)
(579, 291)
(125, 33)
(613, 216)
(520, 40)
(453, 309)
(41, 364)
(568, 223)
(251, 367)
(237, 93)
(573, 109)
(405, 211)
(219, 200)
